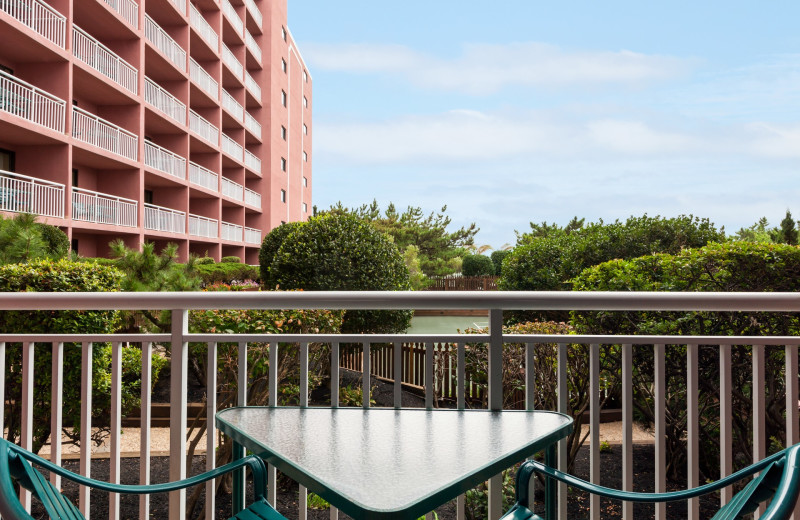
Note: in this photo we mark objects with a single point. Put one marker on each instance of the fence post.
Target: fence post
(178, 397)
(495, 400)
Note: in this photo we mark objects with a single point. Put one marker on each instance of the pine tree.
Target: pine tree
(788, 232)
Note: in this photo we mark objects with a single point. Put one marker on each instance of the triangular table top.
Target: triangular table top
(391, 463)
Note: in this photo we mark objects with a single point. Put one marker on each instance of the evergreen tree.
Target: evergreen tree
(788, 231)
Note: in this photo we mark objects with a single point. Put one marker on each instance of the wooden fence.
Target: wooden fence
(463, 283)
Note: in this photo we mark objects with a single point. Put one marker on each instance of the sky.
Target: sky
(517, 111)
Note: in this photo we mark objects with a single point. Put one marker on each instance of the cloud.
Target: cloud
(776, 141)
(483, 69)
(635, 137)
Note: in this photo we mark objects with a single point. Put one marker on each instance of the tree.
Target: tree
(23, 239)
(269, 247)
(758, 233)
(477, 265)
(497, 259)
(788, 231)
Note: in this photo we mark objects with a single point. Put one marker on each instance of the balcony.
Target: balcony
(180, 5)
(103, 134)
(203, 177)
(252, 162)
(232, 62)
(101, 208)
(164, 43)
(199, 125)
(39, 17)
(103, 60)
(252, 85)
(232, 189)
(128, 9)
(230, 232)
(251, 44)
(163, 160)
(23, 194)
(164, 102)
(232, 148)
(254, 11)
(199, 24)
(252, 125)
(233, 107)
(203, 79)
(30, 103)
(166, 220)
(252, 236)
(233, 17)
(252, 198)
(203, 226)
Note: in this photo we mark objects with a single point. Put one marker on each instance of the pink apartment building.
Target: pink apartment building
(185, 121)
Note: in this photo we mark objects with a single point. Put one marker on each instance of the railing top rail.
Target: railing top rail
(545, 300)
(101, 45)
(32, 180)
(201, 217)
(165, 210)
(103, 195)
(104, 121)
(51, 9)
(34, 88)
(161, 148)
(202, 168)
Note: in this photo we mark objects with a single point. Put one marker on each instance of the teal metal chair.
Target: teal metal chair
(17, 465)
(778, 480)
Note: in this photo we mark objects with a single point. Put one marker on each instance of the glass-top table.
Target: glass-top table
(391, 463)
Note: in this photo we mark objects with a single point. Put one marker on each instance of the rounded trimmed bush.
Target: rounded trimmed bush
(230, 260)
(269, 247)
(205, 260)
(477, 265)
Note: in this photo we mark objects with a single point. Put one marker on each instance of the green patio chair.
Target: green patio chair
(16, 465)
(778, 481)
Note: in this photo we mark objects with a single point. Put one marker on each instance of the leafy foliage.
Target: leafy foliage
(477, 265)
(227, 273)
(758, 232)
(56, 241)
(497, 259)
(23, 239)
(269, 248)
(147, 271)
(230, 260)
(788, 230)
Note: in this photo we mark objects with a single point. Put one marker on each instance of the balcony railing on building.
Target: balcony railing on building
(39, 17)
(180, 5)
(252, 198)
(232, 106)
(203, 28)
(232, 148)
(252, 236)
(203, 226)
(102, 59)
(203, 177)
(128, 9)
(33, 104)
(199, 125)
(231, 189)
(101, 208)
(164, 43)
(233, 17)
(157, 218)
(251, 44)
(203, 79)
(228, 231)
(251, 124)
(165, 102)
(103, 134)
(23, 194)
(252, 162)
(255, 12)
(163, 160)
(232, 62)
(252, 85)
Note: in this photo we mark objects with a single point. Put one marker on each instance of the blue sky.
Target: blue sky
(520, 110)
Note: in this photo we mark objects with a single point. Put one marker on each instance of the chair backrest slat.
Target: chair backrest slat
(56, 504)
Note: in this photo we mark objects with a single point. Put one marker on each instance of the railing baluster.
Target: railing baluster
(659, 362)
(56, 408)
(627, 427)
(725, 421)
(594, 427)
(693, 427)
(365, 374)
(562, 394)
(759, 410)
(211, 427)
(272, 488)
(495, 400)
(145, 415)
(792, 416)
(3, 387)
(179, 353)
(86, 425)
(26, 428)
(397, 373)
(303, 492)
(116, 427)
(429, 382)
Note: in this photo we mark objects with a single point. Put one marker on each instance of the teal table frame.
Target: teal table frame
(249, 435)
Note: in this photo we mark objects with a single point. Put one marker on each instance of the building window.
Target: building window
(305, 76)
(148, 196)
(283, 164)
(305, 129)
(7, 160)
(74, 245)
(283, 133)
(283, 97)
(283, 65)
(305, 208)
(305, 157)
(305, 101)
(74, 176)
(283, 195)
(305, 182)
(283, 33)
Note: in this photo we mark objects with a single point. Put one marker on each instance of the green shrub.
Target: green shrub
(230, 260)
(55, 240)
(204, 260)
(226, 273)
(269, 247)
(477, 265)
(497, 259)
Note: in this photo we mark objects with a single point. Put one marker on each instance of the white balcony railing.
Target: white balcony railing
(228, 231)
(251, 44)
(203, 226)
(127, 9)
(203, 79)
(23, 194)
(252, 198)
(163, 160)
(251, 124)
(232, 62)
(103, 134)
(102, 59)
(252, 236)
(164, 43)
(199, 125)
(233, 17)
(203, 177)
(231, 189)
(163, 101)
(157, 218)
(39, 17)
(252, 85)
(203, 28)
(180, 5)
(23, 100)
(252, 162)
(255, 12)
(232, 106)
(232, 148)
(101, 208)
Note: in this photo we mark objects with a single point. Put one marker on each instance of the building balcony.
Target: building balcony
(23, 194)
(103, 134)
(128, 9)
(180, 5)
(199, 125)
(163, 160)
(251, 44)
(203, 226)
(203, 79)
(39, 17)
(230, 232)
(231, 189)
(252, 198)
(104, 60)
(232, 148)
(252, 162)
(254, 11)
(233, 107)
(252, 236)
(33, 104)
(252, 85)
(164, 102)
(232, 16)
(166, 220)
(252, 125)
(203, 177)
(199, 24)
(101, 208)
(232, 62)
(164, 43)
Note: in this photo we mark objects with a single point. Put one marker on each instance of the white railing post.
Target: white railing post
(759, 410)
(115, 469)
(26, 426)
(627, 427)
(86, 425)
(693, 427)
(563, 407)
(179, 354)
(594, 427)
(211, 434)
(495, 400)
(144, 425)
(56, 408)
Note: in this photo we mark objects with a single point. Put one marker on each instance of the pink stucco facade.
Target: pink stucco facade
(185, 121)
